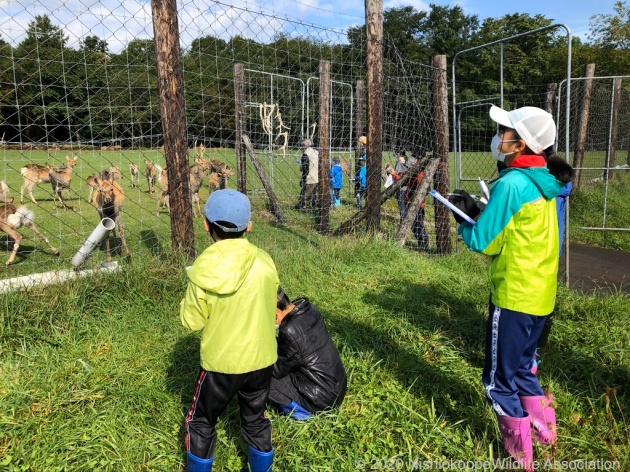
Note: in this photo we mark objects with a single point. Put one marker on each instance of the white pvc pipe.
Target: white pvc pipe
(27, 282)
(99, 233)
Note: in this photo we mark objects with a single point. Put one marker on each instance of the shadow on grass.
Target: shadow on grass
(152, 242)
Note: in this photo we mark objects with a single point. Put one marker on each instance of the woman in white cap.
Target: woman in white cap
(519, 231)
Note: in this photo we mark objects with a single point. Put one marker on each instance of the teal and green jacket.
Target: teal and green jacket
(519, 231)
(231, 297)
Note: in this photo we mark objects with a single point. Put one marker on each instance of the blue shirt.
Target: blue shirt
(363, 177)
(336, 177)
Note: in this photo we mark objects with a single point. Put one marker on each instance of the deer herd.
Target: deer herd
(105, 193)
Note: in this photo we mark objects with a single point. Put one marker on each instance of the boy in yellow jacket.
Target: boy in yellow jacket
(231, 298)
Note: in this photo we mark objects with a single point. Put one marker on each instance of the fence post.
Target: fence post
(239, 104)
(578, 158)
(374, 27)
(324, 146)
(614, 128)
(441, 179)
(173, 108)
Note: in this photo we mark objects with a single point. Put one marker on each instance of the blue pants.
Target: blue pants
(511, 340)
(402, 206)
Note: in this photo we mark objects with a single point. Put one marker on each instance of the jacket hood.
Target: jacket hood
(234, 256)
(547, 184)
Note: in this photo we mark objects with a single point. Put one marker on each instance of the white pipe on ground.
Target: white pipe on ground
(27, 282)
(99, 233)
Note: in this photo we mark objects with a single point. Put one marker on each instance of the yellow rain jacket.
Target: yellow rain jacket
(231, 296)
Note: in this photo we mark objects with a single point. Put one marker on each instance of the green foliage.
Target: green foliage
(98, 374)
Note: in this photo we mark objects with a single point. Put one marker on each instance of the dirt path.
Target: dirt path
(593, 268)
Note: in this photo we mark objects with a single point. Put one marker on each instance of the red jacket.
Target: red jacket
(411, 187)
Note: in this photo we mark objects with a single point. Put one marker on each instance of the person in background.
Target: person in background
(519, 231)
(309, 166)
(401, 168)
(231, 299)
(362, 182)
(336, 182)
(309, 376)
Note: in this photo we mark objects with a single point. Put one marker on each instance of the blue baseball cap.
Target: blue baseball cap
(229, 206)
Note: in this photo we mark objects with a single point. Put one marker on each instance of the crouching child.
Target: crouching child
(231, 299)
(308, 376)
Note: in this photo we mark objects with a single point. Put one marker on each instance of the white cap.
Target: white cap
(534, 125)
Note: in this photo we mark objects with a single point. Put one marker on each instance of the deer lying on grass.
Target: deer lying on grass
(113, 171)
(33, 175)
(13, 217)
(108, 201)
(60, 180)
(135, 175)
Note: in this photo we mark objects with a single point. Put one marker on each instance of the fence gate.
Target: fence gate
(605, 146)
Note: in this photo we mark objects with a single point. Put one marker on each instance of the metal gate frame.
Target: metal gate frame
(607, 168)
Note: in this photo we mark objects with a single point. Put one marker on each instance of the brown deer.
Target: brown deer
(13, 217)
(60, 180)
(4, 193)
(198, 173)
(151, 173)
(135, 175)
(108, 201)
(163, 198)
(33, 175)
(219, 180)
(113, 171)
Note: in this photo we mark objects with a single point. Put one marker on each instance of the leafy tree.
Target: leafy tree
(610, 33)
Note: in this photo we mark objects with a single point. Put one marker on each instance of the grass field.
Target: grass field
(98, 374)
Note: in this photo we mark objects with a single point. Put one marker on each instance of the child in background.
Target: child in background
(336, 181)
(362, 180)
(231, 298)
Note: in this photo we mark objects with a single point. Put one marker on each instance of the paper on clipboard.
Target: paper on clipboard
(444, 201)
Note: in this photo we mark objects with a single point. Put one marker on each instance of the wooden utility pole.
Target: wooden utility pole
(442, 177)
(614, 132)
(374, 24)
(580, 146)
(324, 147)
(239, 104)
(173, 108)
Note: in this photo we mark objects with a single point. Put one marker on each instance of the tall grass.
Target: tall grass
(98, 374)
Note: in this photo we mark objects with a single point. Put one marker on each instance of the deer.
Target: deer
(113, 171)
(109, 200)
(60, 180)
(197, 174)
(4, 193)
(33, 175)
(13, 217)
(151, 173)
(163, 198)
(135, 175)
(219, 180)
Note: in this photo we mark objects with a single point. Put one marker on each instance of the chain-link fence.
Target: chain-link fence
(80, 81)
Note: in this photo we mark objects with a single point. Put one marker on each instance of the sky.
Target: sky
(120, 21)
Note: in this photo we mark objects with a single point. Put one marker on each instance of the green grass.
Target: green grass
(98, 374)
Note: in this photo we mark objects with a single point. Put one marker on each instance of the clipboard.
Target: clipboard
(444, 201)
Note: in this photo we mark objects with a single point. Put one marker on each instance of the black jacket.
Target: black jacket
(308, 355)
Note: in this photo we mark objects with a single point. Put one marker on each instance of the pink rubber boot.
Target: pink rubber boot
(517, 439)
(543, 417)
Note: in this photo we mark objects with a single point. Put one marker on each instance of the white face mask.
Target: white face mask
(494, 147)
